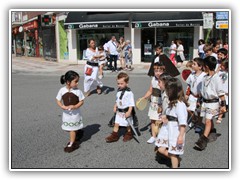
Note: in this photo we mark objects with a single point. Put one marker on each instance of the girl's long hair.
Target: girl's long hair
(174, 91)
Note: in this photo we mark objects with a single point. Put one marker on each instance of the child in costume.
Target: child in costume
(194, 83)
(176, 120)
(163, 130)
(124, 109)
(155, 93)
(211, 91)
(70, 99)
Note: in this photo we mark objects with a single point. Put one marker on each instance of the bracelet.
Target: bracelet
(223, 103)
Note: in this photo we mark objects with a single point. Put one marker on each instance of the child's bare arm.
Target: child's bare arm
(78, 105)
(59, 103)
(148, 93)
(129, 112)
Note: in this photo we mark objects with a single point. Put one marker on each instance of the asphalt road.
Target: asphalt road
(37, 140)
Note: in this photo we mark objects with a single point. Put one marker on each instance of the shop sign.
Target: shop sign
(222, 15)
(86, 26)
(30, 25)
(208, 20)
(95, 25)
(48, 20)
(221, 24)
(156, 24)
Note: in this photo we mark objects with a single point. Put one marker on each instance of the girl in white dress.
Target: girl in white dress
(123, 108)
(176, 119)
(70, 99)
(163, 130)
(154, 93)
(91, 81)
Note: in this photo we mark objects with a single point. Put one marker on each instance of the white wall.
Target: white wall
(72, 44)
(136, 45)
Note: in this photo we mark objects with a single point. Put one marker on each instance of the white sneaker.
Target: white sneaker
(151, 140)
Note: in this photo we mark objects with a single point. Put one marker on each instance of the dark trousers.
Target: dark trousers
(113, 58)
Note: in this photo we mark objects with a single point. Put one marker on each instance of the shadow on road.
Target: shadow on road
(163, 160)
(105, 90)
(88, 131)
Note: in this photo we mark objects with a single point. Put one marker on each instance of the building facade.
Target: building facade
(63, 36)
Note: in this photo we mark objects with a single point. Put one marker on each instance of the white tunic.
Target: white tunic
(180, 112)
(153, 108)
(195, 83)
(126, 101)
(91, 82)
(162, 138)
(212, 88)
(71, 119)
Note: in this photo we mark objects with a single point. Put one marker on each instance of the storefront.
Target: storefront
(163, 27)
(100, 26)
(17, 41)
(48, 37)
(31, 39)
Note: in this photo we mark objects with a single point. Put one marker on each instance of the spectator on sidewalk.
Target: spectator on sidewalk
(128, 55)
(112, 49)
(173, 48)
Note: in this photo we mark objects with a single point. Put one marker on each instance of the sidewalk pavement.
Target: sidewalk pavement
(22, 64)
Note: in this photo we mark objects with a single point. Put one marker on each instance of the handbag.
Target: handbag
(89, 71)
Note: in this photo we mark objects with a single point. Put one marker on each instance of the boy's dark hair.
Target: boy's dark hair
(223, 51)
(174, 91)
(211, 62)
(69, 76)
(199, 61)
(124, 76)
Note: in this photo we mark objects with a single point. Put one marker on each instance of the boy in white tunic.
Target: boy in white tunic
(70, 99)
(124, 108)
(176, 119)
(211, 91)
(194, 82)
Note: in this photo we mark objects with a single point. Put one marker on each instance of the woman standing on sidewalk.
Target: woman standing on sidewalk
(91, 81)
